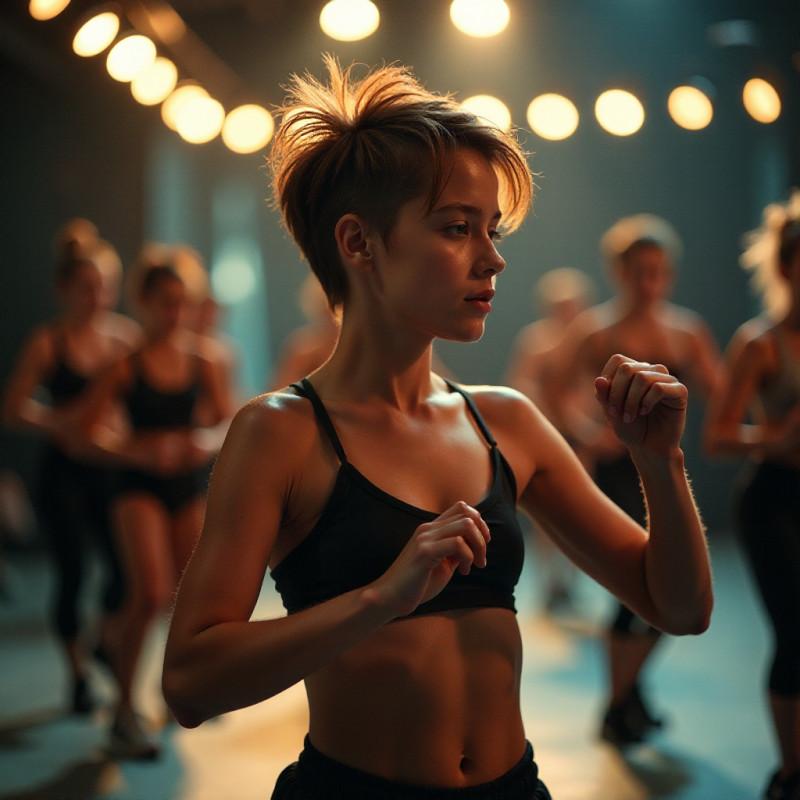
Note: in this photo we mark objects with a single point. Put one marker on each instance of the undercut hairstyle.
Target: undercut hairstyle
(367, 147)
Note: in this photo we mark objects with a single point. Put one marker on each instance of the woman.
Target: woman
(756, 412)
(165, 454)
(62, 357)
(639, 320)
(378, 494)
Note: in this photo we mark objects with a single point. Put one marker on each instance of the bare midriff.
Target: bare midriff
(430, 701)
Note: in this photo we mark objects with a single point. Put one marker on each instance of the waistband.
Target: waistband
(337, 781)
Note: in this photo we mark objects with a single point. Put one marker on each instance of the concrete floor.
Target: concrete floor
(718, 745)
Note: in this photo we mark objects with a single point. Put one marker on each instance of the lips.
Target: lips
(484, 296)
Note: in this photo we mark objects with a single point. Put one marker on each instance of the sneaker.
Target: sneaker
(786, 789)
(82, 700)
(128, 739)
(630, 721)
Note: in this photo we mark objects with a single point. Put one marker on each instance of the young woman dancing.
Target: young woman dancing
(383, 498)
(756, 412)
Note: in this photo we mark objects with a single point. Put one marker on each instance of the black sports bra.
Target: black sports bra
(149, 407)
(362, 530)
(64, 383)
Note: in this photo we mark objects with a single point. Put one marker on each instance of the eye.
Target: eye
(497, 236)
(458, 229)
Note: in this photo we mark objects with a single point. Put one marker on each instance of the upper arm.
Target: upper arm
(245, 506)
(30, 370)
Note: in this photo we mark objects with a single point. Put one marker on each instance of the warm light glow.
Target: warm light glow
(552, 116)
(172, 105)
(130, 56)
(690, 107)
(46, 9)
(154, 84)
(200, 119)
(96, 34)
(619, 112)
(761, 100)
(247, 128)
(480, 18)
(489, 108)
(349, 20)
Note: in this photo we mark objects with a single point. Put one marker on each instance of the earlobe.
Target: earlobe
(352, 240)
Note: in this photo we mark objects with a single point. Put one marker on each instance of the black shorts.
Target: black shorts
(173, 492)
(314, 776)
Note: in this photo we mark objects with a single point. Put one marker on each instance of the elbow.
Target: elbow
(179, 700)
(694, 621)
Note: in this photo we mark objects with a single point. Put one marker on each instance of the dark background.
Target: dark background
(74, 143)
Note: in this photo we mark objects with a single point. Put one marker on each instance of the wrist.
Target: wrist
(648, 462)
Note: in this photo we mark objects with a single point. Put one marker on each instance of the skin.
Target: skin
(94, 337)
(155, 543)
(736, 426)
(431, 700)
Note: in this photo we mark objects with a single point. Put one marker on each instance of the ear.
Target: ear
(353, 241)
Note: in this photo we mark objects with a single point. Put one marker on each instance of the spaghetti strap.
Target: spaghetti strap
(487, 434)
(305, 389)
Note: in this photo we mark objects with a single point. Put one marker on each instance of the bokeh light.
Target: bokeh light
(154, 84)
(553, 116)
(185, 92)
(247, 128)
(761, 100)
(619, 112)
(200, 119)
(349, 20)
(96, 34)
(490, 108)
(46, 9)
(480, 18)
(130, 56)
(690, 107)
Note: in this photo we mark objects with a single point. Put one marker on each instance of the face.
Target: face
(435, 272)
(646, 274)
(790, 270)
(165, 306)
(83, 292)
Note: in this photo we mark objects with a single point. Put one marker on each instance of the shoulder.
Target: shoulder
(504, 408)
(124, 330)
(685, 320)
(752, 347)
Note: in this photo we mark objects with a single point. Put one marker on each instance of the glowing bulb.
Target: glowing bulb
(247, 128)
(690, 107)
(552, 116)
(349, 20)
(489, 108)
(172, 105)
(154, 84)
(46, 9)
(200, 119)
(761, 100)
(96, 34)
(481, 18)
(619, 112)
(129, 57)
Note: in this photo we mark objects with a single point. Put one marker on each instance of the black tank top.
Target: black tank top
(363, 529)
(64, 383)
(149, 407)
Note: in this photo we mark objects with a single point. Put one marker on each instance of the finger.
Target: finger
(620, 386)
(450, 548)
(612, 365)
(641, 382)
(673, 394)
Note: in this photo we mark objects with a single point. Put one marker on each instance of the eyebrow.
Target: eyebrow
(466, 208)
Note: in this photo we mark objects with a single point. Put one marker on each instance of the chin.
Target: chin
(465, 335)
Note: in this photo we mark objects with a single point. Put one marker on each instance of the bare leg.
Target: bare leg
(627, 655)
(786, 720)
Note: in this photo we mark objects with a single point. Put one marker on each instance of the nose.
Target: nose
(491, 262)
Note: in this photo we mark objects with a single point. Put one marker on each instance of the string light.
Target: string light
(349, 20)
(761, 100)
(690, 107)
(553, 116)
(96, 34)
(619, 112)
(186, 91)
(480, 18)
(155, 83)
(200, 119)
(490, 108)
(46, 9)
(130, 56)
(247, 128)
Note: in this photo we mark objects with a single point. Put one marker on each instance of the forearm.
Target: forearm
(236, 664)
(753, 441)
(676, 563)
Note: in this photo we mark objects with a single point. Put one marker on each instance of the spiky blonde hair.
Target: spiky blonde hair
(369, 146)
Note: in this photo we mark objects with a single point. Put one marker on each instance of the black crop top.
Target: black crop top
(362, 530)
(149, 407)
(64, 383)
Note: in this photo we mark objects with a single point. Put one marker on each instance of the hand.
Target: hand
(455, 540)
(644, 404)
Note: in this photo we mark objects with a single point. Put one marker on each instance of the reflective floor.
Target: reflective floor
(717, 745)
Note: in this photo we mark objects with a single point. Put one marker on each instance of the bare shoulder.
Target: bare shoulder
(686, 320)
(505, 409)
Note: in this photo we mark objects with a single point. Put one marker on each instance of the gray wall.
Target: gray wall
(78, 145)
